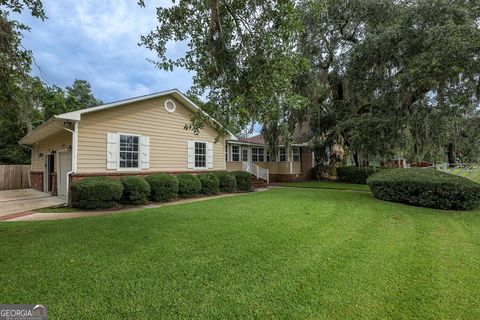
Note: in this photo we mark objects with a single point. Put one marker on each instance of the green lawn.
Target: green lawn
(473, 173)
(327, 185)
(286, 253)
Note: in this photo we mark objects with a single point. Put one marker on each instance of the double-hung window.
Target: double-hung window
(282, 152)
(129, 150)
(200, 155)
(235, 153)
(296, 154)
(258, 155)
(245, 154)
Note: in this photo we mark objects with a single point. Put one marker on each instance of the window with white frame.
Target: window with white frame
(200, 154)
(235, 153)
(129, 150)
(296, 153)
(258, 154)
(245, 154)
(282, 154)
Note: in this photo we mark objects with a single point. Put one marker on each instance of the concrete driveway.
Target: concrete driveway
(16, 201)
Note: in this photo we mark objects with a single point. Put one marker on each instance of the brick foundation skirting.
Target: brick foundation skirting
(54, 184)
(36, 180)
(277, 177)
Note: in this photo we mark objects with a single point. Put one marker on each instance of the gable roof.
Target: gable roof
(76, 115)
(54, 124)
(301, 135)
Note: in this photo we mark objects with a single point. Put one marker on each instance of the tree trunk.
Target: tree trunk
(451, 156)
(355, 158)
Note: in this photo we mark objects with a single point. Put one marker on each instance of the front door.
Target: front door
(47, 172)
(64, 167)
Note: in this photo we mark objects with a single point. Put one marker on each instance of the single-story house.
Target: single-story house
(144, 135)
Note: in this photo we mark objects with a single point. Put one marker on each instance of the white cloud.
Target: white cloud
(97, 41)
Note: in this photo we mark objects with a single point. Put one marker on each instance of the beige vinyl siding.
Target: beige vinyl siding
(57, 141)
(168, 138)
(273, 167)
(234, 166)
(296, 167)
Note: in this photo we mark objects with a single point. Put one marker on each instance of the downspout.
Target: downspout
(29, 170)
(74, 158)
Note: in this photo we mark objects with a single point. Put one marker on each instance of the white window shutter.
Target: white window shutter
(191, 155)
(145, 152)
(209, 155)
(112, 150)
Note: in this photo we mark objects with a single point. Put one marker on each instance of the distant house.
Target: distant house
(144, 135)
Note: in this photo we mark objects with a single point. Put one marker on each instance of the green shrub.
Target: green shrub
(163, 187)
(227, 181)
(188, 185)
(244, 180)
(358, 175)
(324, 171)
(96, 193)
(425, 188)
(210, 183)
(135, 190)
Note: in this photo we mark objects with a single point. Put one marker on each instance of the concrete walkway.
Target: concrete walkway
(37, 216)
(14, 202)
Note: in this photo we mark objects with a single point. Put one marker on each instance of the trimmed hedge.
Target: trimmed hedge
(188, 185)
(164, 187)
(96, 193)
(244, 180)
(210, 183)
(227, 181)
(135, 190)
(357, 175)
(425, 188)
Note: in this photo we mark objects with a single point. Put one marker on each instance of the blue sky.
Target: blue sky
(97, 41)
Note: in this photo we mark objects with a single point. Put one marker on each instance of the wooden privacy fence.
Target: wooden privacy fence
(14, 177)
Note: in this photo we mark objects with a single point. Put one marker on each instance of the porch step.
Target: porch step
(258, 182)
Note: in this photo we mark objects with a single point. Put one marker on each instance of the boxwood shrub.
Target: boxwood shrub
(425, 188)
(135, 190)
(163, 187)
(96, 193)
(244, 180)
(210, 183)
(357, 175)
(188, 185)
(227, 181)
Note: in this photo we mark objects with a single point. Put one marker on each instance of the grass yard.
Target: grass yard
(472, 172)
(328, 185)
(284, 253)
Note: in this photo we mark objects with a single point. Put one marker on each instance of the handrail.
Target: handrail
(257, 171)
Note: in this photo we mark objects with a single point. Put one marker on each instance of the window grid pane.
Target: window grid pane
(200, 155)
(235, 153)
(296, 154)
(258, 155)
(283, 155)
(128, 151)
(244, 154)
